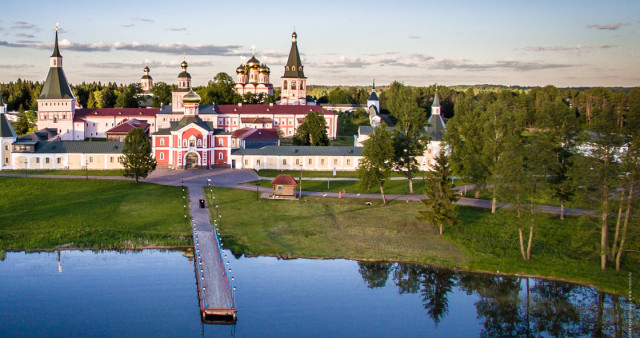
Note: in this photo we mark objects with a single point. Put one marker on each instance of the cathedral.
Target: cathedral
(253, 78)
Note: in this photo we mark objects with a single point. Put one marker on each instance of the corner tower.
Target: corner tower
(56, 103)
(294, 86)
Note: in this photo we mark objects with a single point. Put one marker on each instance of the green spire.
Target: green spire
(56, 50)
(436, 99)
(294, 68)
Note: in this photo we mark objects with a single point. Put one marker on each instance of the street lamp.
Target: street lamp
(301, 166)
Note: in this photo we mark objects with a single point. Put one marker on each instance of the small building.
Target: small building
(248, 138)
(119, 132)
(284, 186)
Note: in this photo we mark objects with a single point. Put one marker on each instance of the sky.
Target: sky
(529, 43)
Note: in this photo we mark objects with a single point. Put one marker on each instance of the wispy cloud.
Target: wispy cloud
(128, 25)
(576, 48)
(177, 29)
(175, 48)
(151, 64)
(18, 66)
(144, 20)
(609, 27)
(414, 37)
(362, 62)
(464, 64)
(24, 25)
(28, 41)
(24, 35)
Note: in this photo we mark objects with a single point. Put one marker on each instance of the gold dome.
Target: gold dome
(264, 69)
(191, 98)
(184, 64)
(253, 62)
(241, 70)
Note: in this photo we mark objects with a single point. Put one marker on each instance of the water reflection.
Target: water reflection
(510, 306)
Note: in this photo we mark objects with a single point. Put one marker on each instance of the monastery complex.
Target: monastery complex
(186, 134)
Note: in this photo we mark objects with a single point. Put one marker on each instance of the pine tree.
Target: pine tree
(138, 161)
(440, 203)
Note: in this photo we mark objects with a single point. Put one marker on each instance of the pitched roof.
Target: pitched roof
(255, 120)
(300, 151)
(5, 127)
(56, 85)
(436, 128)
(284, 179)
(128, 125)
(262, 134)
(86, 147)
(111, 112)
(294, 63)
(187, 120)
(368, 130)
(41, 135)
(239, 133)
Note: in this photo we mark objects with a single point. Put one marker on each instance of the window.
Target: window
(58, 160)
(310, 161)
(6, 147)
(301, 85)
(284, 161)
(162, 156)
(90, 159)
(348, 161)
(106, 124)
(284, 86)
(297, 161)
(55, 119)
(6, 160)
(111, 159)
(184, 142)
(221, 156)
(322, 161)
(192, 143)
(246, 162)
(199, 143)
(37, 160)
(220, 142)
(46, 160)
(161, 141)
(258, 163)
(335, 161)
(293, 85)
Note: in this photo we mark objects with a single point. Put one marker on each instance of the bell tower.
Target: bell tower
(294, 83)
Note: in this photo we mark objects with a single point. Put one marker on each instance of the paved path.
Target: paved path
(237, 179)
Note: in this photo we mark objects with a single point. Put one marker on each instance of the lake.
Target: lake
(153, 293)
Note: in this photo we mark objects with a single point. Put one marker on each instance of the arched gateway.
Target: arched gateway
(191, 161)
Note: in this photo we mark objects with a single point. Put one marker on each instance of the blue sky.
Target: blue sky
(563, 43)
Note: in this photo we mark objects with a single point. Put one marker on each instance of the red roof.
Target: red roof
(127, 126)
(112, 112)
(263, 135)
(283, 179)
(241, 132)
(255, 120)
(231, 109)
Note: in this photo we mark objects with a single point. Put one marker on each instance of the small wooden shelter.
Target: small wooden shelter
(284, 186)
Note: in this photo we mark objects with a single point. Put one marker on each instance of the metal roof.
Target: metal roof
(5, 127)
(86, 147)
(300, 151)
(436, 128)
(56, 85)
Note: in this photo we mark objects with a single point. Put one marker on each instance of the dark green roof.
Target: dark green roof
(86, 147)
(436, 100)
(436, 128)
(56, 85)
(5, 127)
(146, 77)
(373, 97)
(296, 70)
(184, 74)
(300, 151)
(56, 50)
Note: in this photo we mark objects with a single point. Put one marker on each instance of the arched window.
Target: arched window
(220, 156)
(199, 143)
(301, 85)
(293, 85)
(220, 142)
(284, 86)
(161, 141)
(162, 156)
(184, 142)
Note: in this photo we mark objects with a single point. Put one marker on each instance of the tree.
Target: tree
(441, 199)
(25, 123)
(161, 94)
(406, 149)
(138, 161)
(377, 160)
(312, 131)
(128, 97)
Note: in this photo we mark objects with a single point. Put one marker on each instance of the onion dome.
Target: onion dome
(253, 62)
(184, 64)
(241, 70)
(146, 69)
(191, 98)
(264, 69)
(184, 73)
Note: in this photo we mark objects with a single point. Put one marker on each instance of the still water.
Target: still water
(153, 293)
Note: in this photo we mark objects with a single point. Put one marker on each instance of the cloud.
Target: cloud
(28, 41)
(24, 25)
(576, 48)
(128, 25)
(421, 57)
(177, 29)
(144, 20)
(414, 37)
(16, 66)
(464, 64)
(609, 27)
(174, 48)
(151, 64)
(24, 35)
(362, 62)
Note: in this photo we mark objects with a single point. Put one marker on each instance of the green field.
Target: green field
(39, 213)
(347, 228)
(115, 172)
(390, 187)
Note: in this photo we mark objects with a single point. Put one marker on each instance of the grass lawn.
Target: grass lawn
(543, 197)
(390, 187)
(322, 174)
(331, 228)
(346, 228)
(115, 172)
(39, 213)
